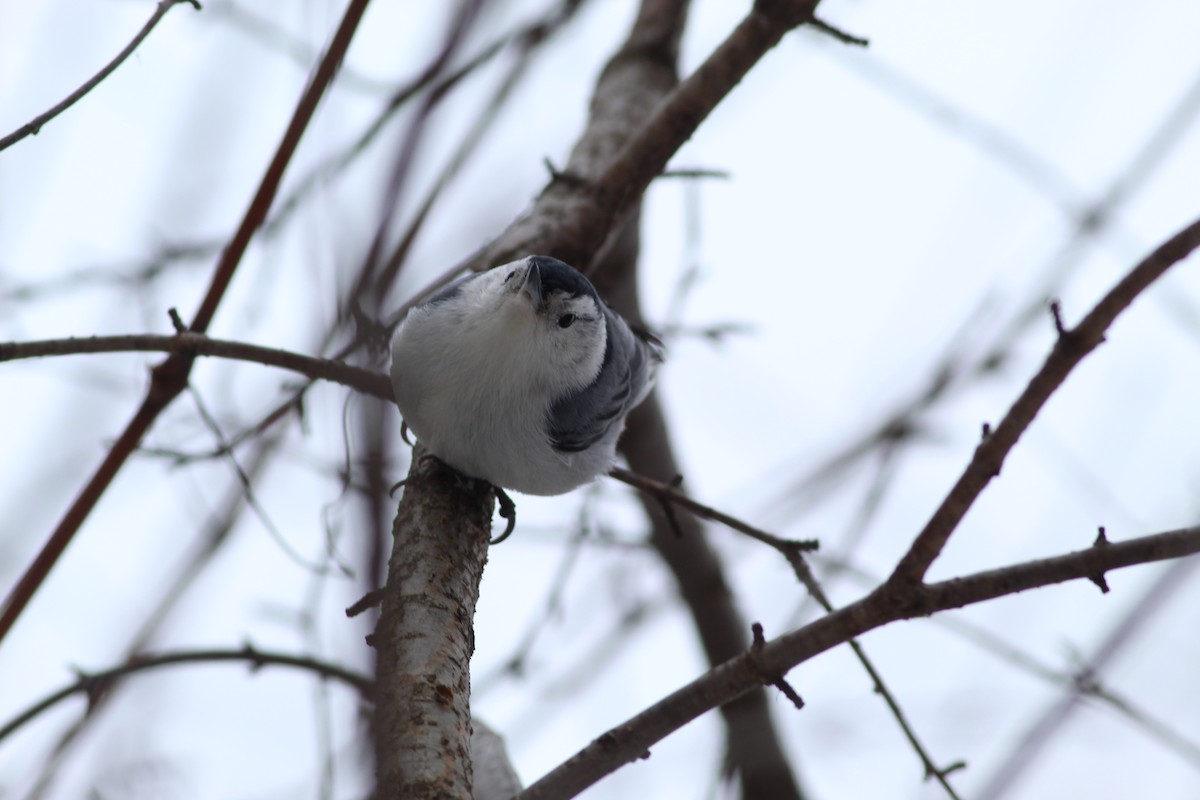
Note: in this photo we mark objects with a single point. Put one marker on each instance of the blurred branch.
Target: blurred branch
(95, 685)
(1072, 345)
(516, 664)
(633, 738)
(366, 381)
(32, 127)
(526, 42)
(572, 219)
(461, 21)
(989, 138)
(170, 377)
(525, 38)
(217, 532)
(268, 33)
(251, 496)
(1086, 682)
(956, 370)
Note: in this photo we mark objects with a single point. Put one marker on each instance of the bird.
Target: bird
(521, 376)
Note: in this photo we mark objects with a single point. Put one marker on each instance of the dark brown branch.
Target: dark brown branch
(1072, 346)
(94, 684)
(887, 604)
(836, 33)
(375, 384)
(260, 204)
(32, 127)
(169, 378)
(996, 646)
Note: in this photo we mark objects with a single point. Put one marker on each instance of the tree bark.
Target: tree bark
(425, 636)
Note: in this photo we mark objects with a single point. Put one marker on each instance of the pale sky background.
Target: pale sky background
(867, 229)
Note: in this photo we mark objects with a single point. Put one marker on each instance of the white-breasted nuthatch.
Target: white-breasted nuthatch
(521, 376)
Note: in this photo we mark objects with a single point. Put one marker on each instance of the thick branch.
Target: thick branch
(197, 344)
(424, 638)
(1072, 346)
(633, 738)
(572, 222)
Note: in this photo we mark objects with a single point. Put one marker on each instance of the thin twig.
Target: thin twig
(806, 577)
(837, 33)
(32, 127)
(666, 492)
(367, 381)
(93, 683)
(251, 498)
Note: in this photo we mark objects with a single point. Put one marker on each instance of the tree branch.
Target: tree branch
(572, 221)
(633, 738)
(424, 637)
(32, 127)
(1072, 346)
(367, 381)
(667, 493)
(170, 377)
(95, 684)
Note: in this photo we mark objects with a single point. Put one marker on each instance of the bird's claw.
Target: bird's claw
(508, 510)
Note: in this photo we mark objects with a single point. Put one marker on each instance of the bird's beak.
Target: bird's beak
(533, 285)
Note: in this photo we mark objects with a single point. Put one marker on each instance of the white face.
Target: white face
(550, 321)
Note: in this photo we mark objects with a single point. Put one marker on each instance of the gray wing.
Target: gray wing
(450, 290)
(580, 419)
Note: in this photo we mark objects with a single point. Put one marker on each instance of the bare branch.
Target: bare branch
(32, 127)
(375, 384)
(169, 378)
(932, 770)
(1072, 346)
(889, 603)
(216, 534)
(790, 548)
(571, 220)
(95, 684)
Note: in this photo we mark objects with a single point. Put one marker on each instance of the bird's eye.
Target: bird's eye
(509, 276)
(566, 320)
